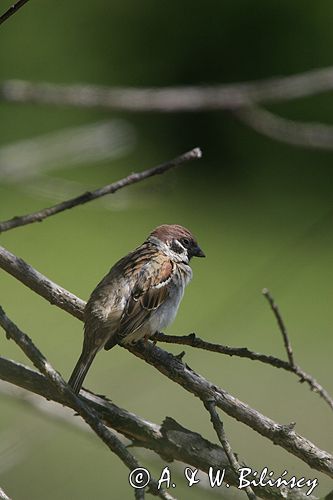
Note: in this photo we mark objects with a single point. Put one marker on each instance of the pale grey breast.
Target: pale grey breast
(166, 313)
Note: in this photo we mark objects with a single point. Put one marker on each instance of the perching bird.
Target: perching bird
(139, 296)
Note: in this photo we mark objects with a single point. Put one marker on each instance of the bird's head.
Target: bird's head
(176, 241)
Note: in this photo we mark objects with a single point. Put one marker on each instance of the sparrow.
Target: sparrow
(139, 296)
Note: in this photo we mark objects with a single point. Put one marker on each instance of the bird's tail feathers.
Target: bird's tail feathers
(81, 369)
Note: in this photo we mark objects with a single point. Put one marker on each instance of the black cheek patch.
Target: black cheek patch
(175, 247)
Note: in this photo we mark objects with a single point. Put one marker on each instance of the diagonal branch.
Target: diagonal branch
(219, 429)
(175, 370)
(87, 413)
(134, 178)
(12, 10)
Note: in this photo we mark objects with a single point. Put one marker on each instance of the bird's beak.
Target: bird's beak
(197, 252)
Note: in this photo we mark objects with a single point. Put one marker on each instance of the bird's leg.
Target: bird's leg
(155, 340)
(145, 341)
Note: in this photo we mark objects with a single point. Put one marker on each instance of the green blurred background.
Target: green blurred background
(262, 212)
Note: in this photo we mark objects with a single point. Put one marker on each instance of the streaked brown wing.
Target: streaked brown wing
(149, 292)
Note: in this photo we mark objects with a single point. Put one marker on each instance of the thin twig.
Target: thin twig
(175, 370)
(171, 99)
(134, 178)
(87, 413)
(219, 429)
(193, 340)
(12, 9)
(281, 324)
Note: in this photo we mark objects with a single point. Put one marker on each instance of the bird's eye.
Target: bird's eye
(186, 241)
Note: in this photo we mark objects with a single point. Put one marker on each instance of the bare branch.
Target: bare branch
(281, 324)
(12, 9)
(219, 429)
(243, 352)
(134, 178)
(87, 413)
(171, 99)
(174, 369)
(308, 135)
